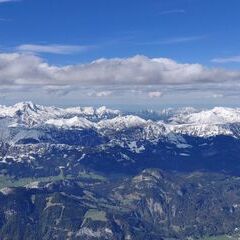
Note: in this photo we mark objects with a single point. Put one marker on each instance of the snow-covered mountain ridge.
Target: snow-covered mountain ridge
(187, 121)
(29, 114)
(42, 139)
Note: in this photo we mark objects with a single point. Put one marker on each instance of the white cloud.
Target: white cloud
(174, 40)
(155, 94)
(104, 94)
(217, 95)
(100, 94)
(28, 70)
(227, 59)
(182, 39)
(53, 48)
(173, 11)
(5, 1)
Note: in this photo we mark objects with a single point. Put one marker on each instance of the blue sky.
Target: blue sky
(41, 39)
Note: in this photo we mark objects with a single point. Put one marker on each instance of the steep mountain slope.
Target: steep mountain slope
(152, 205)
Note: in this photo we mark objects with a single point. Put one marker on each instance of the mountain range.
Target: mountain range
(122, 175)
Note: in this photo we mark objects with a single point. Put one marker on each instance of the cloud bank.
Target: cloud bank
(19, 69)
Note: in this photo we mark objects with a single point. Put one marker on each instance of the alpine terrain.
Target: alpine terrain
(98, 173)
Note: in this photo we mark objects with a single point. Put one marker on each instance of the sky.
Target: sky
(120, 53)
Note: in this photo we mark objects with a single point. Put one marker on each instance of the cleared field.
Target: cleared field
(7, 181)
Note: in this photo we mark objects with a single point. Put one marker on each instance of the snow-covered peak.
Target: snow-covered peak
(75, 122)
(179, 111)
(190, 121)
(25, 106)
(93, 112)
(122, 122)
(29, 114)
(18, 109)
(217, 115)
(87, 111)
(201, 130)
(104, 110)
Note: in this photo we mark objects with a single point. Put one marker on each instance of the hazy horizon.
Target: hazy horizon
(125, 107)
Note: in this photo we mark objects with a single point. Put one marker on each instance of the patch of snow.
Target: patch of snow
(6, 191)
(134, 148)
(184, 154)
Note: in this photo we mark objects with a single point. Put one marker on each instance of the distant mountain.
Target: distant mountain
(106, 139)
(216, 121)
(30, 114)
